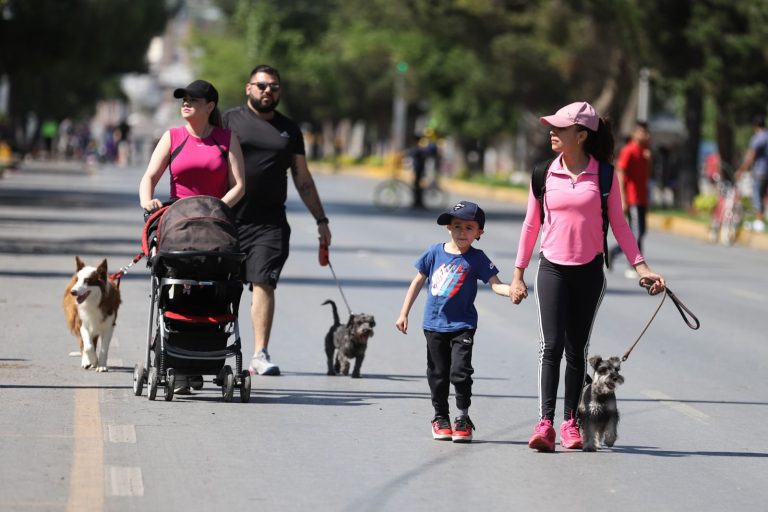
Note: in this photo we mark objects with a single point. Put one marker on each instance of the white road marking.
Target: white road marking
(121, 434)
(747, 294)
(124, 481)
(680, 407)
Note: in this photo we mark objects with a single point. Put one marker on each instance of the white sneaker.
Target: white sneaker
(262, 364)
(758, 226)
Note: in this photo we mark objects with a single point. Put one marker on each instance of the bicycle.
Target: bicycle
(394, 193)
(728, 214)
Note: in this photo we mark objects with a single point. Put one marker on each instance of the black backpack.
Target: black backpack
(605, 179)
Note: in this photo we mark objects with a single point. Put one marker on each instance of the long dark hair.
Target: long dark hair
(214, 119)
(600, 144)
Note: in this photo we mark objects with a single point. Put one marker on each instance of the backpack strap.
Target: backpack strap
(539, 184)
(175, 152)
(605, 178)
(224, 152)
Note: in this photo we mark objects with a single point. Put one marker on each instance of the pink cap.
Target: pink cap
(580, 112)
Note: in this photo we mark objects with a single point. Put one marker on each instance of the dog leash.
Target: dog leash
(693, 322)
(115, 278)
(325, 260)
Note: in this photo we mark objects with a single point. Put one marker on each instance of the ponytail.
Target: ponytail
(600, 144)
(214, 119)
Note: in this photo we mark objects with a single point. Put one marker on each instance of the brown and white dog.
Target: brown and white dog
(90, 306)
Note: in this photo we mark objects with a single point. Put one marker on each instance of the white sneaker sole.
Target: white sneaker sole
(461, 439)
(272, 371)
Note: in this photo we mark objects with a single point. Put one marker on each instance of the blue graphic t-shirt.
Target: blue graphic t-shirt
(452, 287)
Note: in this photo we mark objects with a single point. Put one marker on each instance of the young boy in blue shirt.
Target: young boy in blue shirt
(452, 270)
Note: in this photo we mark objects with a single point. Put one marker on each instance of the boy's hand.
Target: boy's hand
(402, 324)
(518, 291)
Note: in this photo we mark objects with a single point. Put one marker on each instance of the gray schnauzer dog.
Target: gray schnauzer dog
(598, 415)
(345, 342)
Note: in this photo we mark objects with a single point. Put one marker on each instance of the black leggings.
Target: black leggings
(568, 297)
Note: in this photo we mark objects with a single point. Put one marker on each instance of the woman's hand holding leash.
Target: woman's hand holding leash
(651, 281)
(654, 283)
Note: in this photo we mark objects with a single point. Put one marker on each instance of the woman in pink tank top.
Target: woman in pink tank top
(203, 157)
(570, 282)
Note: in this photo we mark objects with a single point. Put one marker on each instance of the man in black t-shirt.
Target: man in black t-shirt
(271, 145)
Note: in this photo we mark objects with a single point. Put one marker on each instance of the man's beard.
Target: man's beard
(259, 107)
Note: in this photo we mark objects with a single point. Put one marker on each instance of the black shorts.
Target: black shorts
(266, 249)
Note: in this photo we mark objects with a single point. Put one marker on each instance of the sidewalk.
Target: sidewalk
(656, 221)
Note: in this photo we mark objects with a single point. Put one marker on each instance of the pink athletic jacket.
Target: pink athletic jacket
(573, 227)
(200, 168)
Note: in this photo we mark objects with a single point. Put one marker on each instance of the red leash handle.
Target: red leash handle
(323, 256)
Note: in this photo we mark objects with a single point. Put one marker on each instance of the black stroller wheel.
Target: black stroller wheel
(227, 383)
(245, 386)
(152, 383)
(196, 382)
(138, 379)
(170, 384)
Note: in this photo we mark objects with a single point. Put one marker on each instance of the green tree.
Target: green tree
(60, 56)
(714, 49)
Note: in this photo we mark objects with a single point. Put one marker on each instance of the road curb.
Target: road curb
(657, 222)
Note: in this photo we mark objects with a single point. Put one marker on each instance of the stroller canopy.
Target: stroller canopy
(197, 223)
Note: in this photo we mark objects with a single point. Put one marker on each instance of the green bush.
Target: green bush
(705, 203)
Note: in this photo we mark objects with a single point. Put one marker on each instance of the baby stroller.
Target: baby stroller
(192, 249)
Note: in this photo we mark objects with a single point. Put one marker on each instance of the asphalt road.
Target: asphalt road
(693, 407)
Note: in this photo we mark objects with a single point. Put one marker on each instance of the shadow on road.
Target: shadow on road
(656, 452)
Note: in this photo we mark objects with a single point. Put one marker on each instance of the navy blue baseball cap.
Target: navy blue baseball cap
(464, 210)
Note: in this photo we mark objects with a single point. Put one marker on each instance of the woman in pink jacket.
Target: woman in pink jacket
(570, 282)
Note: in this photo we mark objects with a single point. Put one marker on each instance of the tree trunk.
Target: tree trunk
(688, 179)
(724, 135)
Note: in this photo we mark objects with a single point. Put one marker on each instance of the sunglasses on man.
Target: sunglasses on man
(263, 86)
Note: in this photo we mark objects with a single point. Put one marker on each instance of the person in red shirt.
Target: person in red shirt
(633, 168)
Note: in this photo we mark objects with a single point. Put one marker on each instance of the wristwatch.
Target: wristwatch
(322, 220)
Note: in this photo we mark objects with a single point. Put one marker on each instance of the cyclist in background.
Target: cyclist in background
(756, 162)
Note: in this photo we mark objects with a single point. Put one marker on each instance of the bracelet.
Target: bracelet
(322, 220)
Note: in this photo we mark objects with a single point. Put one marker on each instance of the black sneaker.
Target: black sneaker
(441, 428)
(462, 429)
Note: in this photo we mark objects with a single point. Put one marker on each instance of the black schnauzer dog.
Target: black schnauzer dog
(345, 342)
(598, 415)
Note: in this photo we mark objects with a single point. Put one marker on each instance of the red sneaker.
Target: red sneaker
(441, 428)
(462, 429)
(543, 438)
(570, 438)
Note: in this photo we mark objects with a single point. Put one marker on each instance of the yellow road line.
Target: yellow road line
(86, 485)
